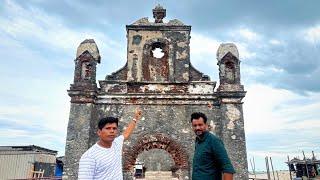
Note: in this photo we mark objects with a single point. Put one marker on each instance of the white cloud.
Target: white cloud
(245, 39)
(37, 26)
(258, 108)
(275, 42)
(273, 110)
(250, 73)
(21, 110)
(273, 154)
(16, 133)
(244, 50)
(49, 117)
(244, 34)
(202, 47)
(312, 34)
(200, 44)
(248, 34)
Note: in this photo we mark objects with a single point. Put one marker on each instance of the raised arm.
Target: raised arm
(132, 124)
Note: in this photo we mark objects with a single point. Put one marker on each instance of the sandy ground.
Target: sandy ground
(283, 175)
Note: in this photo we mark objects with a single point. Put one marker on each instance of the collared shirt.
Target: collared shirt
(210, 158)
(99, 163)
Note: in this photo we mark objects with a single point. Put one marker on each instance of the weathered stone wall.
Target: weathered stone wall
(234, 138)
(169, 120)
(78, 137)
(143, 66)
(167, 89)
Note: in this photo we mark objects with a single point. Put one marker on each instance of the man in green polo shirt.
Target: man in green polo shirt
(210, 161)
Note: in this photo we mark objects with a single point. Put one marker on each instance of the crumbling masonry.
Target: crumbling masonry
(168, 89)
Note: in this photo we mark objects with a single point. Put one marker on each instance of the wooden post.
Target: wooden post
(289, 167)
(253, 167)
(305, 161)
(313, 157)
(274, 177)
(277, 175)
(267, 166)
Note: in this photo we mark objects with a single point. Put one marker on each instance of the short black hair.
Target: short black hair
(197, 115)
(107, 120)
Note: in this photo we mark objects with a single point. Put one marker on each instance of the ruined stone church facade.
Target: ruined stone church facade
(168, 89)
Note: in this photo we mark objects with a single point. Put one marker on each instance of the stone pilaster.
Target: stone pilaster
(230, 93)
(233, 134)
(78, 137)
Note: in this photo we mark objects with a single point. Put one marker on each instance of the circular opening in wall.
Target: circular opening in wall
(157, 50)
(157, 53)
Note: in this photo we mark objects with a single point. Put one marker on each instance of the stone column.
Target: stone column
(231, 92)
(233, 135)
(78, 137)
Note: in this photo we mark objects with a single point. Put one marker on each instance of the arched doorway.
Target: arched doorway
(161, 141)
(156, 160)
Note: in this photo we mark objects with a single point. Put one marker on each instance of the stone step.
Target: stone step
(157, 178)
(158, 173)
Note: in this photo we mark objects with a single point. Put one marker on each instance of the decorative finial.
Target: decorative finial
(159, 13)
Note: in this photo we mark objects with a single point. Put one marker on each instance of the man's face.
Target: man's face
(109, 132)
(198, 126)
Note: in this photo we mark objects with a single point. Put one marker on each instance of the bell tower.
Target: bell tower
(229, 68)
(171, 39)
(84, 80)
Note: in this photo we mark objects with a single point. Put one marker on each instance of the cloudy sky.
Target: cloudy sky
(278, 41)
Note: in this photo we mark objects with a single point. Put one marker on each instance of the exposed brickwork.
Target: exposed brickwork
(156, 141)
(155, 69)
(118, 75)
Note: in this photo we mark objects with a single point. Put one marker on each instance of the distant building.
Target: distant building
(305, 167)
(21, 162)
(59, 166)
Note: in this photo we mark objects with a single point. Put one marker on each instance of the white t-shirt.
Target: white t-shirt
(102, 163)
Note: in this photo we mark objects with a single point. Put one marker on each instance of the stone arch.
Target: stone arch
(157, 141)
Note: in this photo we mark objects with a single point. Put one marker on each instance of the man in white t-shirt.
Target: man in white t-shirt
(104, 159)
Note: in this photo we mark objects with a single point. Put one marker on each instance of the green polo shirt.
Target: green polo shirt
(210, 158)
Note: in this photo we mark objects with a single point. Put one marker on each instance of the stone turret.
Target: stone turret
(84, 84)
(231, 93)
(83, 93)
(229, 68)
